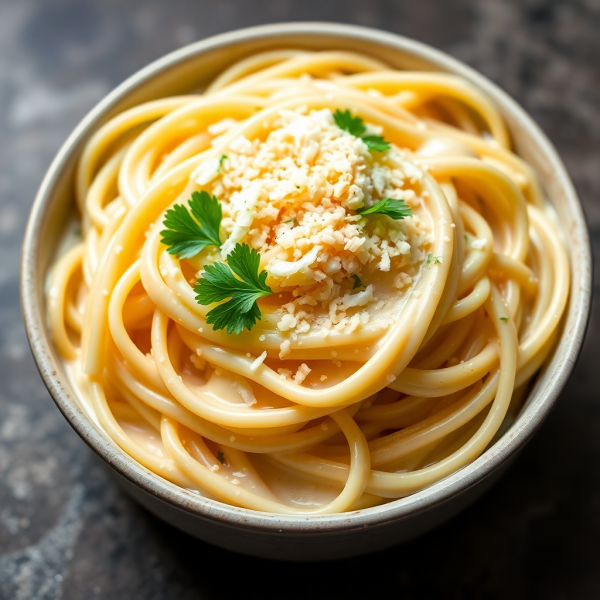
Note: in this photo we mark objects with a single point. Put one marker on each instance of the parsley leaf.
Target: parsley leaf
(376, 142)
(221, 159)
(503, 318)
(355, 126)
(433, 260)
(357, 282)
(186, 236)
(219, 283)
(396, 209)
(220, 457)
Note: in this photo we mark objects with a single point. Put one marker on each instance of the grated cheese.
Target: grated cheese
(301, 373)
(292, 192)
(259, 361)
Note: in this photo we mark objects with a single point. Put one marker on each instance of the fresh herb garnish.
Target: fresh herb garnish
(220, 457)
(187, 235)
(355, 126)
(466, 237)
(503, 318)
(219, 283)
(292, 220)
(357, 282)
(396, 209)
(376, 142)
(433, 260)
(221, 159)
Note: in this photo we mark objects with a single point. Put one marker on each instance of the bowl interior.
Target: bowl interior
(190, 69)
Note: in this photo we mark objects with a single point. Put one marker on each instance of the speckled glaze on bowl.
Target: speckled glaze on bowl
(294, 537)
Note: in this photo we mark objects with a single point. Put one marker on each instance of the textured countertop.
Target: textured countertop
(67, 531)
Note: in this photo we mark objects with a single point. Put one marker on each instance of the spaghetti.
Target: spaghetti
(392, 350)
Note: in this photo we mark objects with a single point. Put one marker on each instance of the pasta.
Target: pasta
(390, 350)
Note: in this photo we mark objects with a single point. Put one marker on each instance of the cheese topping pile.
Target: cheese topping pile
(292, 196)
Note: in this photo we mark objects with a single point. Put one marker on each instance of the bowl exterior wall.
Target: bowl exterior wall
(321, 545)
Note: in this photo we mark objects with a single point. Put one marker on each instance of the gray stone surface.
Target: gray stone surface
(67, 531)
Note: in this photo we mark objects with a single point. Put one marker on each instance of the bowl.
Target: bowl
(300, 537)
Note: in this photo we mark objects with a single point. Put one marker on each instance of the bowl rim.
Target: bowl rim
(441, 492)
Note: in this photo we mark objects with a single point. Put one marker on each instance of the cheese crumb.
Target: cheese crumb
(259, 361)
(244, 389)
(301, 373)
(284, 349)
(285, 374)
(402, 280)
(286, 323)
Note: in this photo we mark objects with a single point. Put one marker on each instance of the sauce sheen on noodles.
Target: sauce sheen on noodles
(414, 282)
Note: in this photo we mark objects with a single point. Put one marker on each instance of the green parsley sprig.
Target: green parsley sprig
(355, 126)
(395, 209)
(189, 231)
(357, 282)
(219, 282)
(433, 260)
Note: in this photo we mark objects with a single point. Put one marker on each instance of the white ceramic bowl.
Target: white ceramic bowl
(295, 537)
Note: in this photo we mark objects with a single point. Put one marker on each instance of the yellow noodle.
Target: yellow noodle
(386, 399)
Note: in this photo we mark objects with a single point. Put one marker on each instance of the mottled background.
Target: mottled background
(67, 531)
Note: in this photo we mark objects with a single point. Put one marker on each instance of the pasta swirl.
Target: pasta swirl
(391, 352)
